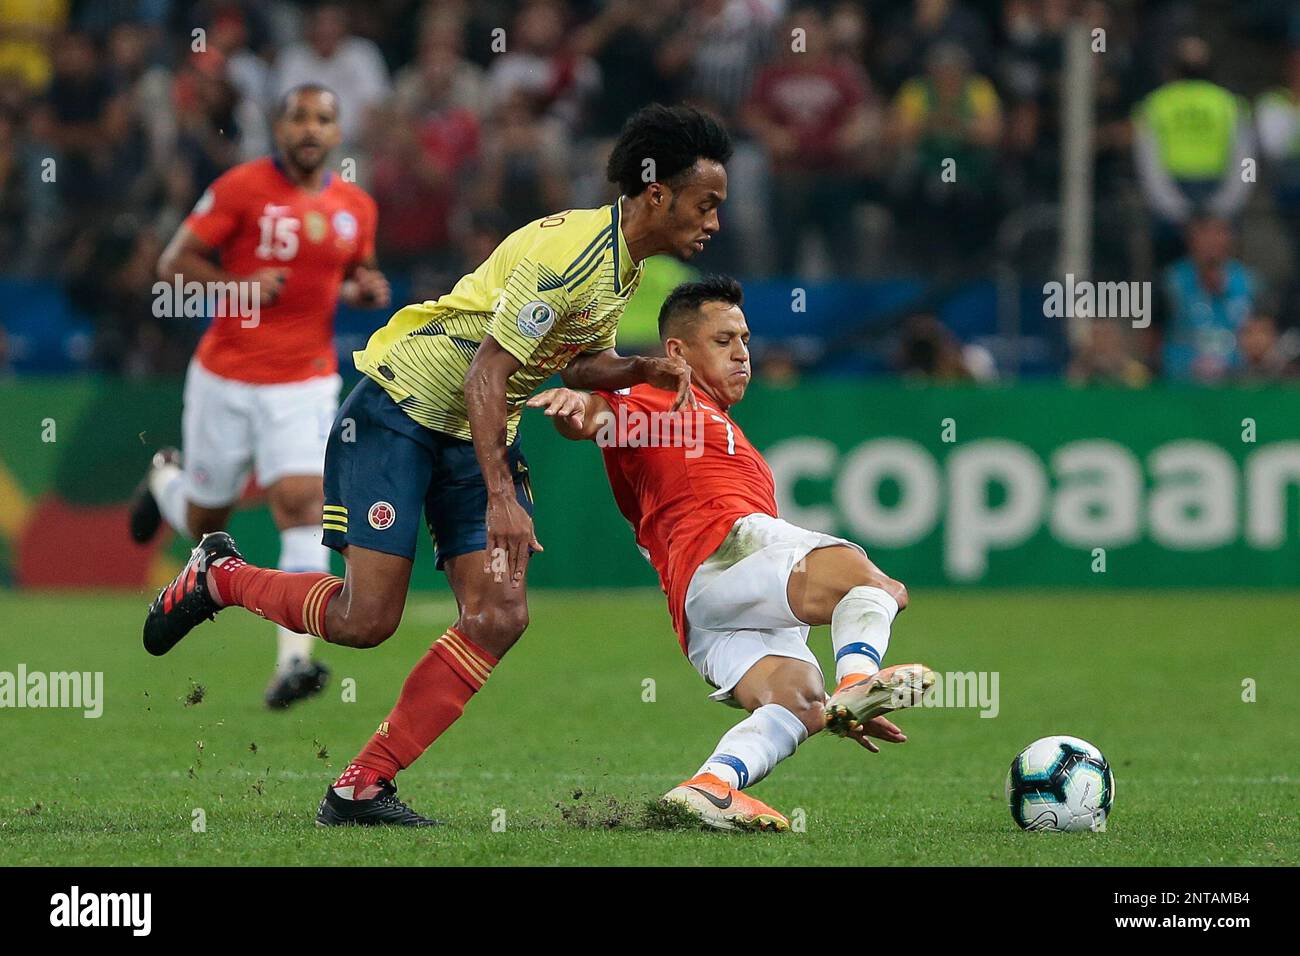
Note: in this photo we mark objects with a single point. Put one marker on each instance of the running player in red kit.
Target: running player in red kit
(289, 239)
(743, 585)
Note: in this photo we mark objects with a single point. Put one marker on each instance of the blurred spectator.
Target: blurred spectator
(1031, 50)
(1116, 95)
(26, 203)
(1105, 358)
(1208, 295)
(350, 66)
(13, 188)
(77, 94)
(1278, 120)
(625, 40)
(814, 112)
(178, 195)
(111, 123)
(1191, 136)
(248, 72)
(112, 275)
(45, 222)
(120, 160)
(441, 79)
(912, 33)
(525, 169)
(419, 170)
(134, 73)
(850, 30)
(1266, 356)
(427, 150)
(1029, 61)
(249, 76)
(100, 16)
(717, 48)
(946, 124)
(28, 31)
(714, 51)
(540, 71)
(928, 350)
(207, 110)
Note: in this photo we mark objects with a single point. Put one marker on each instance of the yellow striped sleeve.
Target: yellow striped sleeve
(524, 315)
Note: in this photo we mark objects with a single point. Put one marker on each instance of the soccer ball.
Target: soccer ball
(1062, 784)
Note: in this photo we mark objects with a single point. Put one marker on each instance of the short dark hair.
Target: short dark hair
(282, 104)
(684, 302)
(673, 137)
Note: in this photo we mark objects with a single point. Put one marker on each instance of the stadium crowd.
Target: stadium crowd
(465, 120)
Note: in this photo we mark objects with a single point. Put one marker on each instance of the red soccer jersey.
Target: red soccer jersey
(814, 103)
(258, 218)
(682, 501)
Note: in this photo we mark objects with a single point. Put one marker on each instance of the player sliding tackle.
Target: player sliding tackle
(743, 585)
(432, 427)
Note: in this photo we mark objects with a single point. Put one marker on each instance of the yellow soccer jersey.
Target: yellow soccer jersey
(551, 291)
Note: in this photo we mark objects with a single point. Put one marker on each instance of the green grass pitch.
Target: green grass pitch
(562, 748)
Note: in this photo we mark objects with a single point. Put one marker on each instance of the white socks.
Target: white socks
(168, 490)
(748, 751)
(300, 550)
(860, 630)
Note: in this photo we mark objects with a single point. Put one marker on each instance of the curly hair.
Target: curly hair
(672, 138)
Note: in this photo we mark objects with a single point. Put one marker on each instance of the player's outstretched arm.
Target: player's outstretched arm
(578, 416)
(609, 371)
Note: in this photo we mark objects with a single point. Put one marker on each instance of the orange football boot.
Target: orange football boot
(860, 698)
(719, 805)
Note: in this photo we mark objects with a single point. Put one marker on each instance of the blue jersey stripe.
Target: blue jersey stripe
(580, 262)
(580, 279)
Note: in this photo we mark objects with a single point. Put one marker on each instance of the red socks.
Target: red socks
(434, 695)
(435, 692)
(295, 600)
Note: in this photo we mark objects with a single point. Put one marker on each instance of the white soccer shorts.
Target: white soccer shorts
(230, 428)
(737, 611)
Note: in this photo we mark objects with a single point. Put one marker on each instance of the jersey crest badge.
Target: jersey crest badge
(314, 224)
(345, 224)
(535, 320)
(381, 515)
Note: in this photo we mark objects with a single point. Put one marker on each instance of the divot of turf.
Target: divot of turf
(603, 812)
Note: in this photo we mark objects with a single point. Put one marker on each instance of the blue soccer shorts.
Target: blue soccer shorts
(383, 469)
